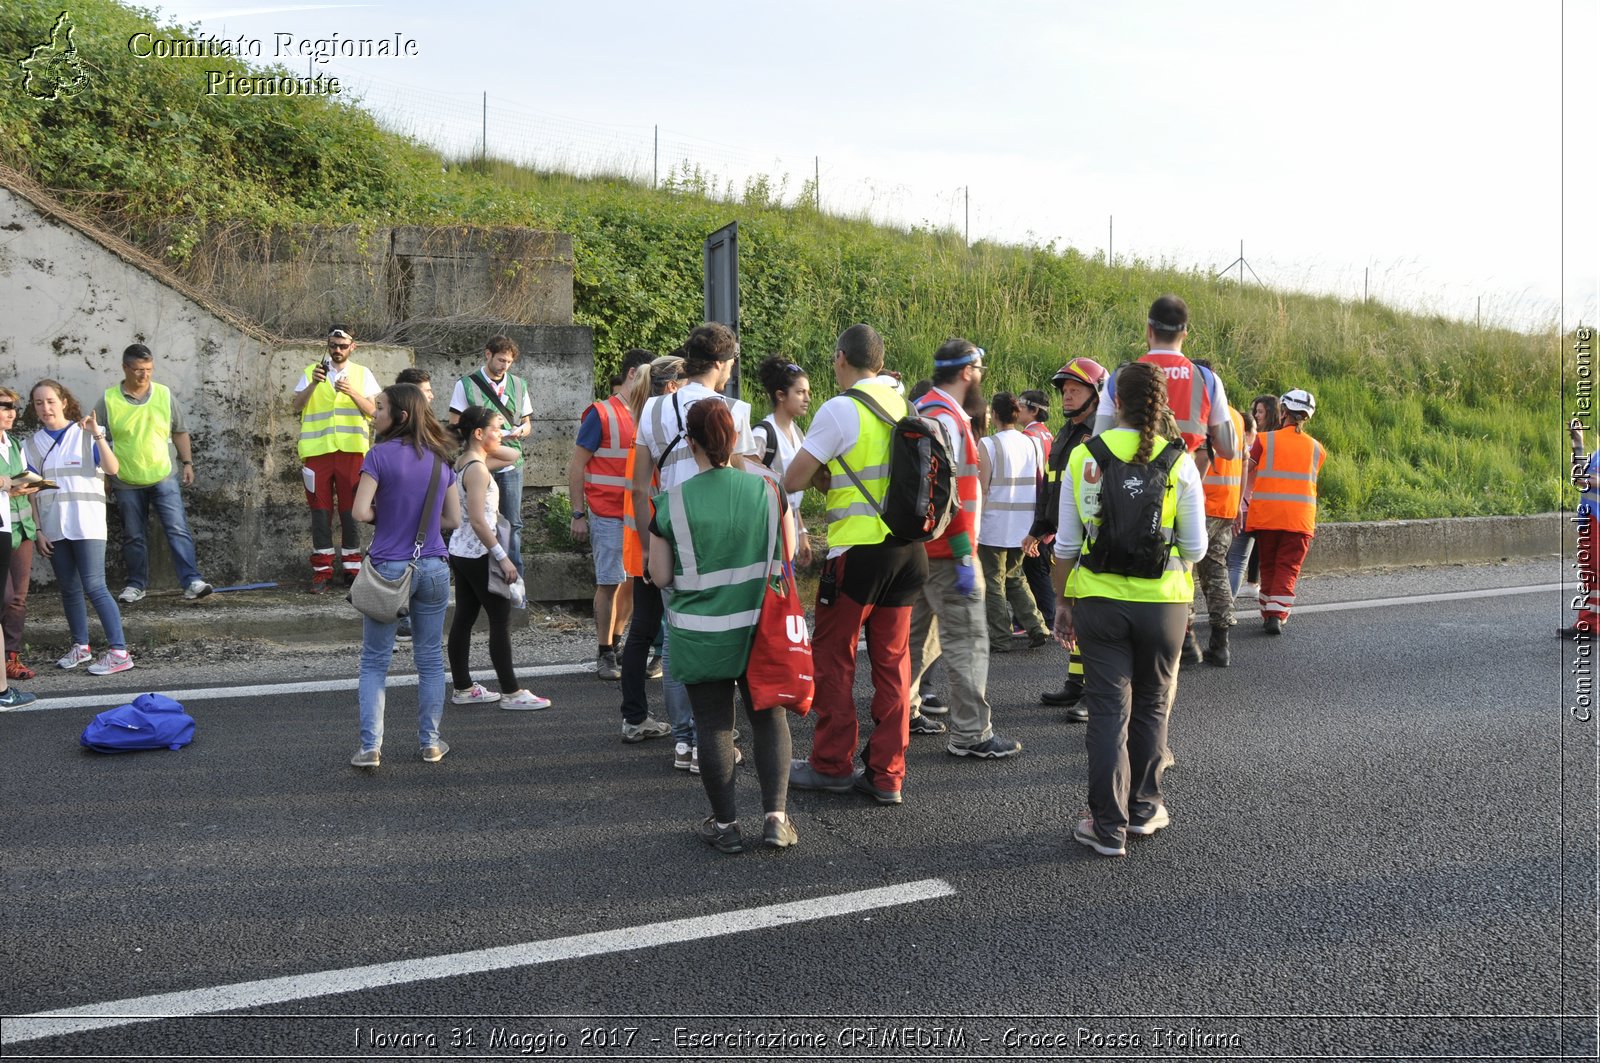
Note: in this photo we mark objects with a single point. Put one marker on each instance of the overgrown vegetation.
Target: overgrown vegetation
(1422, 416)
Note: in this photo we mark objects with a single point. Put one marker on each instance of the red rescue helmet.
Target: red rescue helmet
(1084, 371)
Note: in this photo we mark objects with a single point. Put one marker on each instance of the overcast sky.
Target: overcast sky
(1421, 140)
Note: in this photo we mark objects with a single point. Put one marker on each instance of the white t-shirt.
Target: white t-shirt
(458, 397)
(659, 423)
(788, 446)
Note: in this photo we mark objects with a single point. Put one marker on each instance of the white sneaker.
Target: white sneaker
(76, 656)
(111, 662)
(1153, 824)
(524, 699)
(198, 589)
(130, 595)
(682, 756)
(473, 695)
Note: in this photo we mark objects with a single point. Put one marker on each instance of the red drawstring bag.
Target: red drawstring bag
(779, 670)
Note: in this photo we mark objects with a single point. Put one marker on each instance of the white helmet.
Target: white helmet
(1299, 401)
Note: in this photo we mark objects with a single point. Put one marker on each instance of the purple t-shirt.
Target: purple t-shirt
(402, 476)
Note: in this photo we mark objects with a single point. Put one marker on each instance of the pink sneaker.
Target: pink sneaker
(473, 695)
(111, 662)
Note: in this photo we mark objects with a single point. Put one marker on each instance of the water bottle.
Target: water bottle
(519, 594)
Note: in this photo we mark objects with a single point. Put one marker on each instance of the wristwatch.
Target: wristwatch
(578, 514)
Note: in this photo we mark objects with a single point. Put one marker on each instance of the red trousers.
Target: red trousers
(1282, 553)
(871, 585)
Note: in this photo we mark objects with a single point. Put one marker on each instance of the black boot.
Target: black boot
(1191, 648)
(1071, 693)
(1217, 651)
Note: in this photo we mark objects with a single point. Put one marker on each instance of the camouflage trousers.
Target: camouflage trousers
(1211, 571)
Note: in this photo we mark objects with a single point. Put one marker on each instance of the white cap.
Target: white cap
(1300, 401)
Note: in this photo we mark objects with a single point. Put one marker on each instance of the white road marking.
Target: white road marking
(356, 979)
(112, 699)
(318, 686)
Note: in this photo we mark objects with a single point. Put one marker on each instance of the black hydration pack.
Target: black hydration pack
(1130, 540)
(920, 499)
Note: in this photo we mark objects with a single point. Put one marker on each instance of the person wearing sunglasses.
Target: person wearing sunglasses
(335, 401)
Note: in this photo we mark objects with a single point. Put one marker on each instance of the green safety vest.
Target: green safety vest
(516, 391)
(12, 463)
(852, 519)
(720, 569)
(1176, 584)
(141, 434)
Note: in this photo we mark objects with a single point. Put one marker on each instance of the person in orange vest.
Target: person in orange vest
(1224, 486)
(947, 618)
(597, 482)
(1283, 505)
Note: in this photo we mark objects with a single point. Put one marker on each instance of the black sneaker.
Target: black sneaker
(1273, 625)
(1040, 638)
(934, 705)
(780, 834)
(1076, 714)
(922, 724)
(403, 632)
(992, 748)
(723, 839)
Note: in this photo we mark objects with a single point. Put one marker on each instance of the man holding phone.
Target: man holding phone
(335, 402)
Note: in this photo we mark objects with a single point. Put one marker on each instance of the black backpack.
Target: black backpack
(1130, 541)
(769, 450)
(920, 498)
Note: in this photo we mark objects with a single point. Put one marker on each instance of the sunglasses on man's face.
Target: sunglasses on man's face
(338, 346)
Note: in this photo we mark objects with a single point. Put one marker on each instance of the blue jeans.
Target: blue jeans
(510, 481)
(676, 695)
(430, 593)
(1238, 557)
(135, 503)
(80, 566)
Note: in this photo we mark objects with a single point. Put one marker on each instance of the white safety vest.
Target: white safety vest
(77, 509)
(1015, 459)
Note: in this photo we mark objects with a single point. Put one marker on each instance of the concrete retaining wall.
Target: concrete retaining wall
(1383, 543)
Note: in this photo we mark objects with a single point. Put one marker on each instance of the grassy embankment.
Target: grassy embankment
(1422, 416)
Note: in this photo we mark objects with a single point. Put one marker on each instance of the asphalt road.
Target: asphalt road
(1383, 846)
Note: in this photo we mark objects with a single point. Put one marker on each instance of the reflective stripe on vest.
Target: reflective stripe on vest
(605, 476)
(140, 435)
(852, 520)
(1224, 480)
(1187, 395)
(967, 499)
(77, 509)
(712, 605)
(1014, 463)
(1285, 495)
(632, 539)
(331, 421)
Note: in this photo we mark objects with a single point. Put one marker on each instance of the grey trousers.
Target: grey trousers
(942, 620)
(1130, 668)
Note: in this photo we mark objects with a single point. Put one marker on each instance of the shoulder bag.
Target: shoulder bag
(387, 600)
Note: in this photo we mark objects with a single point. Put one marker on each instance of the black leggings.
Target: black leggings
(713, 722)
(472, 594)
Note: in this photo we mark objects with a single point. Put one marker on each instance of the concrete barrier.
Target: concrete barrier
(1341, 547)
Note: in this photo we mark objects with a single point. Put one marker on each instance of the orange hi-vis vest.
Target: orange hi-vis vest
(605, 478)
(1224, 480)
(1186, 395)
(965, 517)
(1285, 496)
(632, 534)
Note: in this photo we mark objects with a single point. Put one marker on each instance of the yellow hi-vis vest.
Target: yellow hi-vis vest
(331, 421)
(852, 520)
(141, 434)
(1176, 584)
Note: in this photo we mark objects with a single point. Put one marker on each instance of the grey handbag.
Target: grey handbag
(497, 579)
(386, 600)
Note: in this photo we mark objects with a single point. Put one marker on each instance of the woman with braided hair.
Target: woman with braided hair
(1124, 595)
